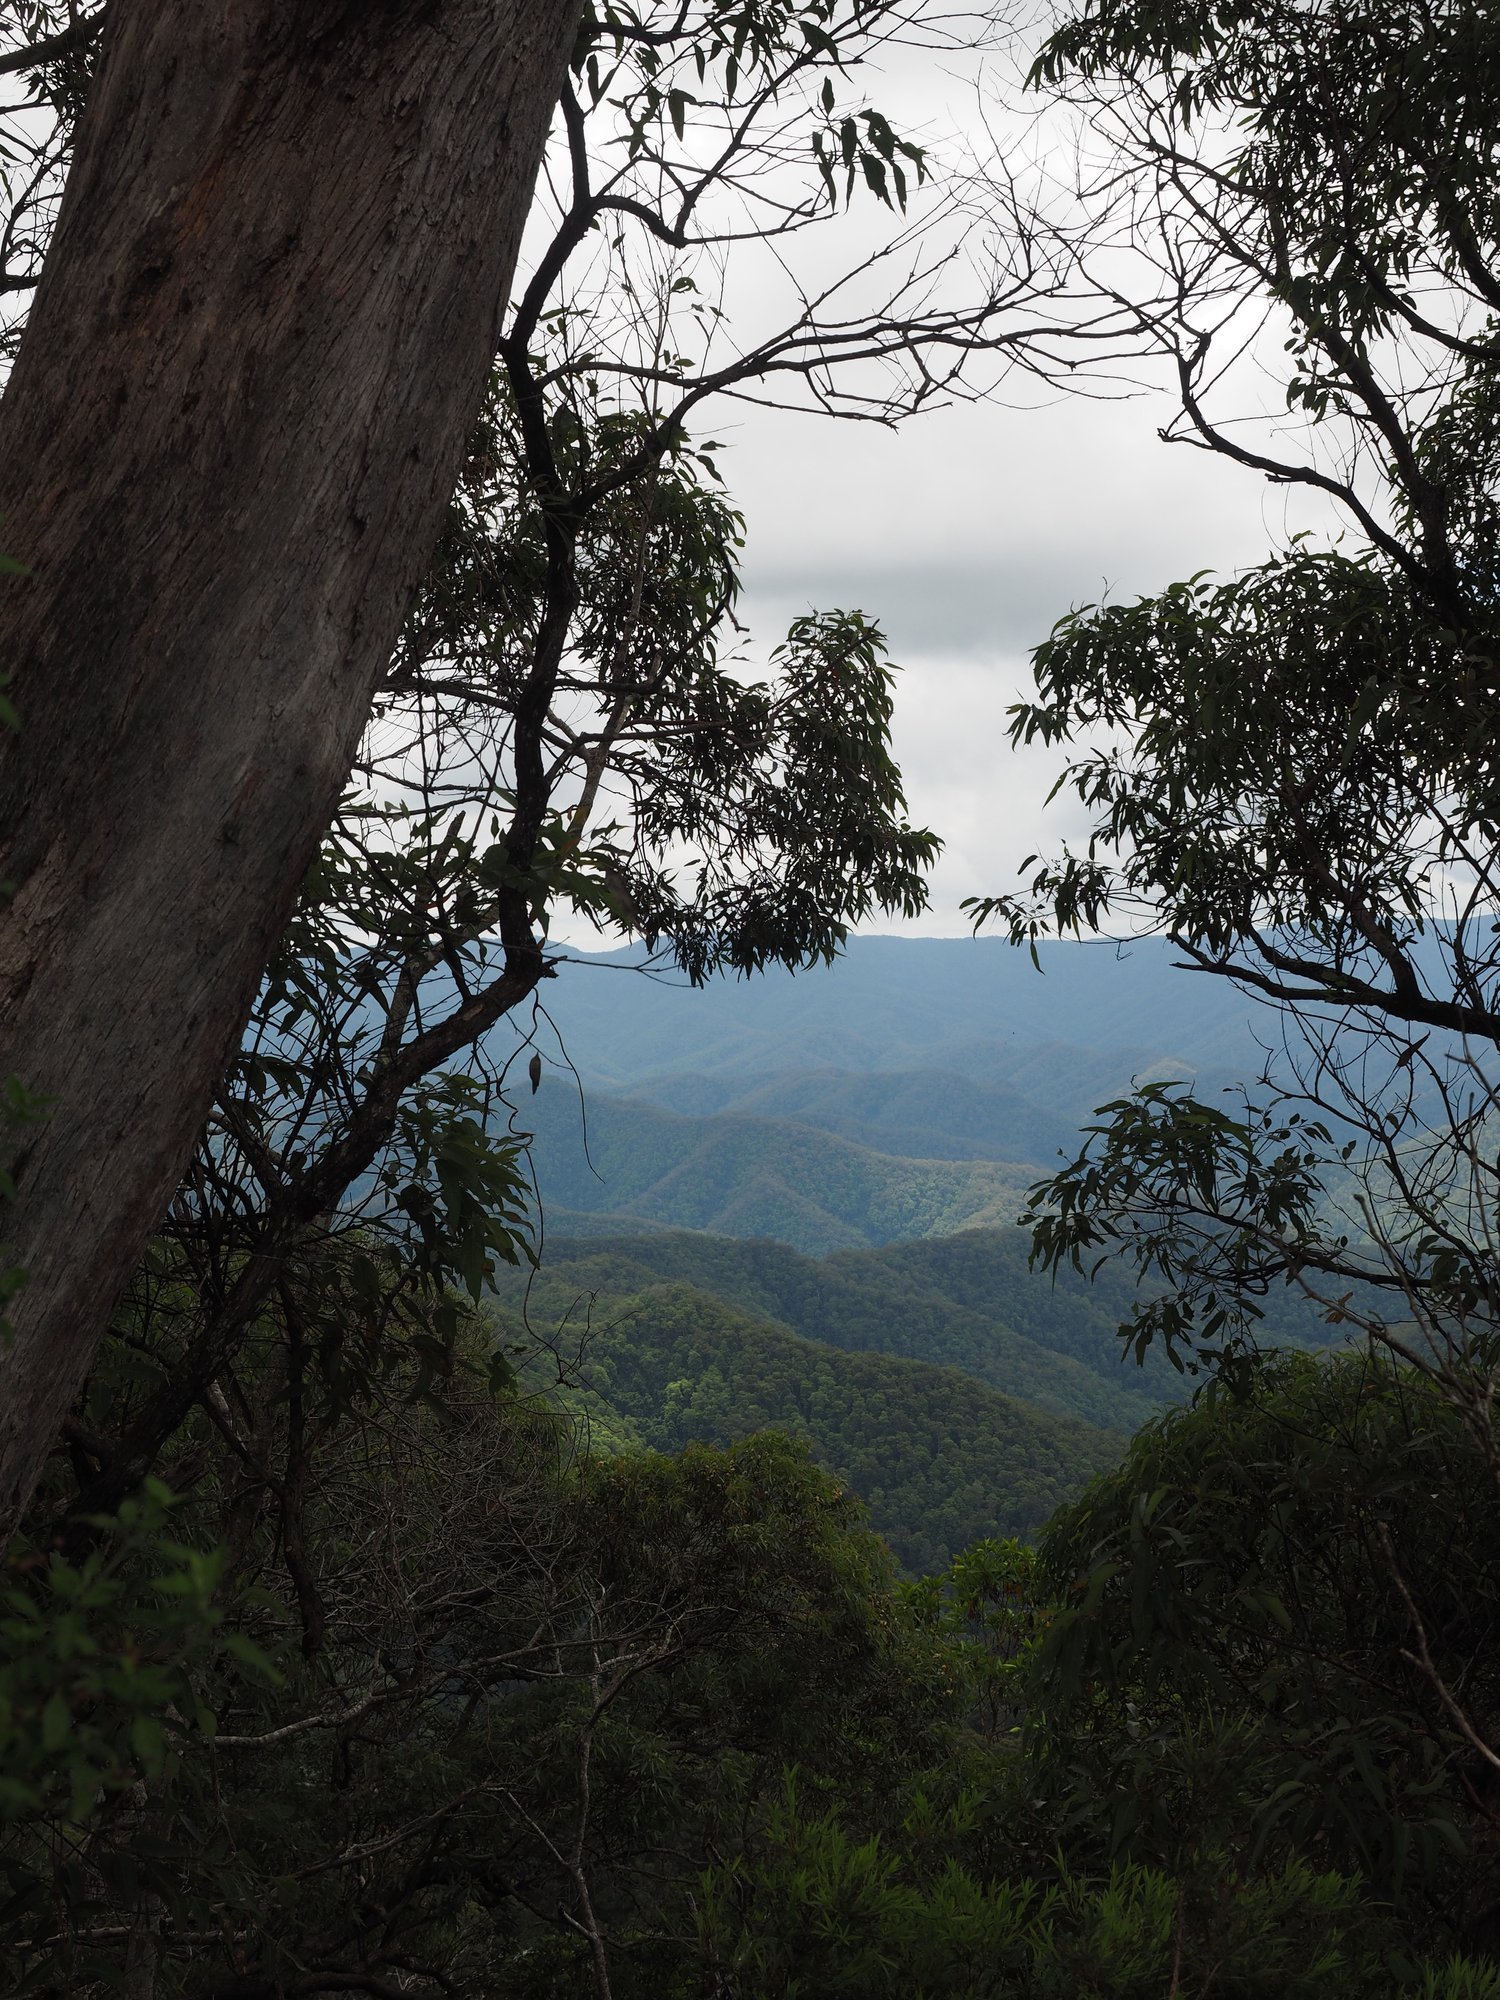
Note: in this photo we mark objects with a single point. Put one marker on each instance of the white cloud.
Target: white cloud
(967, 534)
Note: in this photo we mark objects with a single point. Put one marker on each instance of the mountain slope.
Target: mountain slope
(753, 1176)
(939, 1458)
(895, 1003)
(970, 1304)
(929, 1114)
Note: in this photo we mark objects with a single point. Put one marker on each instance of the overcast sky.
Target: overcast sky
(966, 534)
(969, 531)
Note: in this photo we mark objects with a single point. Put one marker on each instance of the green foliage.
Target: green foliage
(1286, 1598)
(1214, 1209)
(991, 1610)
(1408, 99)
(532, 1658)
(93, 1653)
(939, 1459)
(1295, 1932)
(1294, 781)
(114, 1660)
(563, 727)
(790, 796)
(775, 1556)
(678, 1707)
(782, 790)
(469, 1662)
(819, 1911)
(746, 48)
(816, 1911)
(466, 1194)
(1347, 162)
(1224, 1715)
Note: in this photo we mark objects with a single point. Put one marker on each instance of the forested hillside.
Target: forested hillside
(939, 1459)
(742, 1176)
(928, 1114)
(948, 1383)
(966, 1301)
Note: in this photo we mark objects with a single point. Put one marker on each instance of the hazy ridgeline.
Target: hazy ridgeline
(914, 1088)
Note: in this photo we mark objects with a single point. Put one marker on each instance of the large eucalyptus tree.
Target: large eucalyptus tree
(287, 357)
(258, 346)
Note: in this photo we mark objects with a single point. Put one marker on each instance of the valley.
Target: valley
(793, 1205)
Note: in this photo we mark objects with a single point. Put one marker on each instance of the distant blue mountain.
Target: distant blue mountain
(915, 1087)
(926, 1114)
(975, 1007)
(750, 1176)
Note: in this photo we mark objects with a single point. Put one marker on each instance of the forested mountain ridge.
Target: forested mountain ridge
(915, 1087)
(966, 1301)
(904, 1003)
(938, 1457)
(923, 1114)
(741, 1176)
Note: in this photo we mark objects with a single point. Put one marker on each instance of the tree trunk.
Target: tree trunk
(260, 342)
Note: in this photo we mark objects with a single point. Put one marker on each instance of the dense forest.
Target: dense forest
(971, 1483)
(938, 1459)
(520, 1708)
(967, 1301)
(741, 1176)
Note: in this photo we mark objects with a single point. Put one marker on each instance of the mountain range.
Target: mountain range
(966, 1301)
(791, 1201)
(913, 1088)
(976, 1008)
(940, 1456)
(629, 1161)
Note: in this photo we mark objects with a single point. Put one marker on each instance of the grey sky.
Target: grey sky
(970, 530)
(967, 533)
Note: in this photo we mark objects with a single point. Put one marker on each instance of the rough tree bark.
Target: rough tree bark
(260, 341)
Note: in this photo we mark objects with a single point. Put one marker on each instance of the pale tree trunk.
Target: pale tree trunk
(260, 342)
